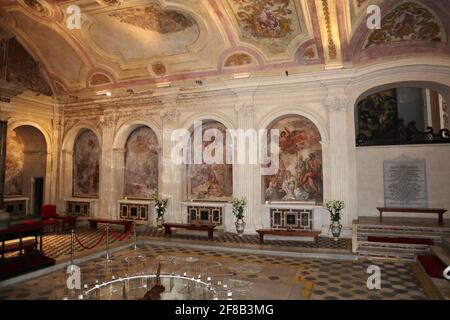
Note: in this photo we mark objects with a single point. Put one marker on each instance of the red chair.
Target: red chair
(48, 215)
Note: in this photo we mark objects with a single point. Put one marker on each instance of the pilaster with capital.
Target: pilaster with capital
(245, 176)
(340, 175)
(108, 190)
(170, 173)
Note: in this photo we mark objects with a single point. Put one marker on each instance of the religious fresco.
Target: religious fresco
(299, 176)
(238, 59)
(377, 115)
(21, 69)
(273, 23)
(154, 18)
(407, 22)
(156, 33)
(86, 160)
(14, 164)
(141, 164)
(212, 182)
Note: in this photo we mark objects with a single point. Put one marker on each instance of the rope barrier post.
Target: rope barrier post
(72, 245)
(107, 242)
(135, 236)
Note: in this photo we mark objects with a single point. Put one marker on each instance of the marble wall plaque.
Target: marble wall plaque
(405, 184)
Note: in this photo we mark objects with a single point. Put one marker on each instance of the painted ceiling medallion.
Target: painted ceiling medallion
(154, 18)
(407, 22)
(238, 59)
(37, 6)
(159, 68)
(265, 18)
(271, 23)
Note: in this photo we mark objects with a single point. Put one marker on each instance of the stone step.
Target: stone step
(387, 254)
(442, 253)
(446, 242)
(416, 248)
(443, 285)
(432, 230)
(362, 234)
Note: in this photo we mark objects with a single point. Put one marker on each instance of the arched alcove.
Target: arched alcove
(26, 166)
(141, 164)
(204, 181)
(299, 177)
(86, 164)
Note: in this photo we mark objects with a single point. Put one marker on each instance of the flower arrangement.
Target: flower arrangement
(335, 207)
(161, 206)
(239, 205)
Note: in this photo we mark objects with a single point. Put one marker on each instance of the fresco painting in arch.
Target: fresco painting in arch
(299, 176)
(86, 159)
(15, 158)
(212, 182)
(141, 164)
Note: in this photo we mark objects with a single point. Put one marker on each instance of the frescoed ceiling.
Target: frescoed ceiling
(121, 43)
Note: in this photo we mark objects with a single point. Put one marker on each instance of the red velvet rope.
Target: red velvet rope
(122, 237)
(96, 244)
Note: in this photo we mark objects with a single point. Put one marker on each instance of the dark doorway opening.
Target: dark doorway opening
(38, 195)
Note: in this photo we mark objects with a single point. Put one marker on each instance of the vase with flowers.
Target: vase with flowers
(160, 208)
(335, 208)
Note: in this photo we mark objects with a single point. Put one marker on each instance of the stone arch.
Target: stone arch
(28, 158)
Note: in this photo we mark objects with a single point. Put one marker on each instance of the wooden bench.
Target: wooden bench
(93, 223)
(27, 246)
(288, 233)
(440, 212)
(210, 228)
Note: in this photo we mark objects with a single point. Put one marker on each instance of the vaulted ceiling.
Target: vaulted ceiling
(121, 43)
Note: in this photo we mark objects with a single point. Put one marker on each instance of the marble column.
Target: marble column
(107, 207)
(3, 128)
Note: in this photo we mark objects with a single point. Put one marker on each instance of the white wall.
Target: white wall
(370, 186)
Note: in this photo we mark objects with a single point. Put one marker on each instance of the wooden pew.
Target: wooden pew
(288, 233)
(439, 212)
(210, 228)
(93, 223)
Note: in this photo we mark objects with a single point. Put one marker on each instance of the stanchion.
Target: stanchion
(108, 257)
(135, 236)
(72, 245)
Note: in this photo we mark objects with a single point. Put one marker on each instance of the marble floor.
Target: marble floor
(249, 276)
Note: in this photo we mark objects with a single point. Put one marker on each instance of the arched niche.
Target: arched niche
(299, 177)
(86, 165)
(401, 113)
(141, 164)
(26, 166)
(210, 182)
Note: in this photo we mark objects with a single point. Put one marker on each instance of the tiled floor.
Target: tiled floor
(254, 276)
(58, 245)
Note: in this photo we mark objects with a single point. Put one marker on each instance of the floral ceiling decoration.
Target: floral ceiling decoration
(154, 18)
(407, 22)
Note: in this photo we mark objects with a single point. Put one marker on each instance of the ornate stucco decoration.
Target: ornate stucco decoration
(99, 79)
(154, 18)
(37, 6)
(409, 21)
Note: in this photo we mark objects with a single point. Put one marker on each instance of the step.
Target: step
(429, 287)
(396, 234)
(394, 254)
(402, 228)
(443, 286)
(389, 245)
(442, 253)
(446, 242)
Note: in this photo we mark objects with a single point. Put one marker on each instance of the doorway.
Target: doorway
(38, 194)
